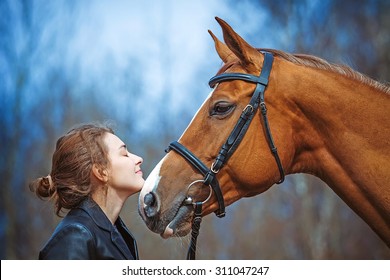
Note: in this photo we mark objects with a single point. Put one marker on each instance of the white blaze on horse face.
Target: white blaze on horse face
(151, 182)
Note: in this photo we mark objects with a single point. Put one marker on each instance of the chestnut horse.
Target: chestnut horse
(326, 120)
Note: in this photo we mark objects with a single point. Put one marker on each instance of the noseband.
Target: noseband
(231, 144)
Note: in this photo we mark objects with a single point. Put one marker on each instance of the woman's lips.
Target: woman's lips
(139, 172)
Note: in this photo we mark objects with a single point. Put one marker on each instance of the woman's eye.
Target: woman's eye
(222, 108)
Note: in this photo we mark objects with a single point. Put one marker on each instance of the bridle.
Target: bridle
(231, 144)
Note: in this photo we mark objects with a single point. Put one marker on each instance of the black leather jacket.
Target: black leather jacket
(87, 234)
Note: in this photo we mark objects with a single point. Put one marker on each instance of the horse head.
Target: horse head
(249, 171)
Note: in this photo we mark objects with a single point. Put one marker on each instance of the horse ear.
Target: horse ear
(247, 54)
(223, 51)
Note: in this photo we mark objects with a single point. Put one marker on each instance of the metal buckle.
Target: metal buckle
(212, 168)
(246, 107)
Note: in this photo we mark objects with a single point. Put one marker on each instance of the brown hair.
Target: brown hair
(69, 181)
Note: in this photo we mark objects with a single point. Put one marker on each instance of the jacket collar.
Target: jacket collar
(102, 221)
(96, 213)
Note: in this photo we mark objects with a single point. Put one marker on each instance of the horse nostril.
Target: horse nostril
(150, 199)
(151, 205)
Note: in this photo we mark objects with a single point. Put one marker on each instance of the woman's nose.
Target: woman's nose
(137, 159)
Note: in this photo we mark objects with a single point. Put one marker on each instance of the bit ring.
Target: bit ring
(189, 200)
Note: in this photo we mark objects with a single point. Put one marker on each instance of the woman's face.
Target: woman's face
(125, 174)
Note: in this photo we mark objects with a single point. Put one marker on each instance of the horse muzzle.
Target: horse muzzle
(172, 221)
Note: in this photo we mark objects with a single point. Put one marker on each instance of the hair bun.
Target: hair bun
(47, 182)
(44, 186)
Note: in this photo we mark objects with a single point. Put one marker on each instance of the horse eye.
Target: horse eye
(222, 108)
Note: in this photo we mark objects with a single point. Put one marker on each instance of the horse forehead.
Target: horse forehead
(197, 112)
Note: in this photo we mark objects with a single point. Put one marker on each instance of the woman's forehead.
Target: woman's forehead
(113, 142)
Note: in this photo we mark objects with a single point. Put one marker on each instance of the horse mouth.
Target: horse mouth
(180, 224)
(174, 222)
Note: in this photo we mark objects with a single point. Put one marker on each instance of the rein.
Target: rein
(231, 144)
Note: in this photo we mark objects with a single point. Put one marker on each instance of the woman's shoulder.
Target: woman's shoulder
(77, 223)
(72, 239)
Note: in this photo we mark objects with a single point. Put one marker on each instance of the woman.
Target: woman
(92, 175)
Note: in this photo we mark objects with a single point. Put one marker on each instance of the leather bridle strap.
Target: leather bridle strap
(242, 125)
(209, 179)
(195, 230)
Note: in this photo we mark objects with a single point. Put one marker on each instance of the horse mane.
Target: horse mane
(319, 63)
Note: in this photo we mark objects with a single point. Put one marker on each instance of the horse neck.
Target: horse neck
(341, 134)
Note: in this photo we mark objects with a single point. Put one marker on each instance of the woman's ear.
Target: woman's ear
(100, 173)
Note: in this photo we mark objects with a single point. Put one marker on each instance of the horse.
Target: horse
(320, 118)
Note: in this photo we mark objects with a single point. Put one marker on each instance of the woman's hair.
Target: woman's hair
(69, 181)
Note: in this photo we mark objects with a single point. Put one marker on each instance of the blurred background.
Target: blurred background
(144, 66)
